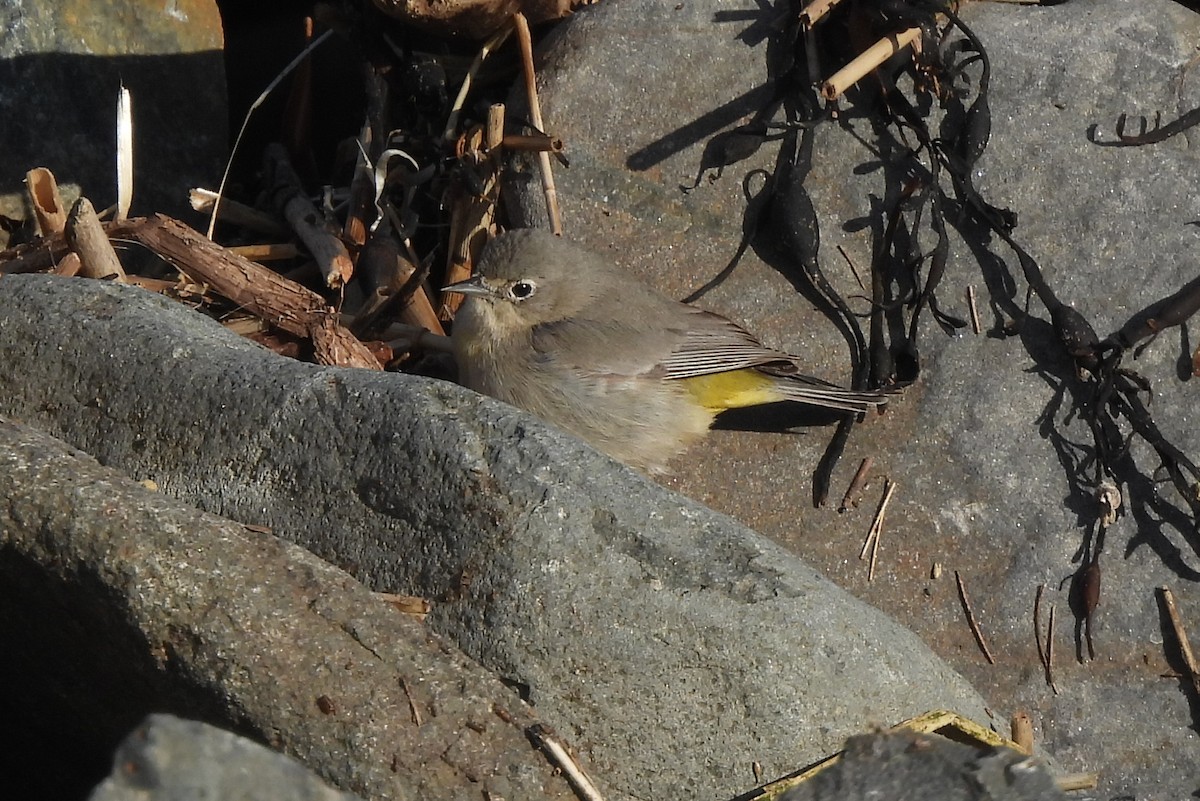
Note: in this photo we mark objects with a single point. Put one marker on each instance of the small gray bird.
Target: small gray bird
(561, 333)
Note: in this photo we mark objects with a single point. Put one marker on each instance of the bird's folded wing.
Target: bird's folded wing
(716, 345)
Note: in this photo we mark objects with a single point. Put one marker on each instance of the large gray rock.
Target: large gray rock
(670, 645)
(116, 602)
(170, 759)
(904, 765)
(637, 90)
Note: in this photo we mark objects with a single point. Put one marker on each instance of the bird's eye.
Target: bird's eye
(522, 289)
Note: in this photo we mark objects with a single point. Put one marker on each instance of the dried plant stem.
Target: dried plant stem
(813, 12)
(1185, 648)
(205, 200)
(288, 197)
(868, 60)
(533, 143)
(545, 739)
(535, 116)
(971, 621)
(1021, 727)
(47, 203)
(850, 498)
(974, 310)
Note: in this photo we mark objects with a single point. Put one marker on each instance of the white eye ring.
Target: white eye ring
(522, 289)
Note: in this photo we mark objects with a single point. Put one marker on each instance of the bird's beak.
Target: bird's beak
(472, 286)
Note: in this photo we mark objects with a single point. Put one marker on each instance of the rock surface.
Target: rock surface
(672, 647)
(169, 759)
(638, 90)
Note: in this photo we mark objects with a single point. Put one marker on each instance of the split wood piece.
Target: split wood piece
(305, 219)
(1185, 648)
(869, 59)
(535, 116)
(268, 252)
(493, 132)
(256, 289)
(544, 738)
(1021, 727)
(246, 326)
(69, 266)
(415, 605)
(971, 621)
(47, 203)
(387, 273)
(235, 213)
(34, 257)
(87, 239)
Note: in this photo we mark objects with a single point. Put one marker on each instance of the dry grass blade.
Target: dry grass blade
(216, 208)
(451, 131)
(871, 542)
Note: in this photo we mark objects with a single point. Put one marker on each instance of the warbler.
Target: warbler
(560, 332)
